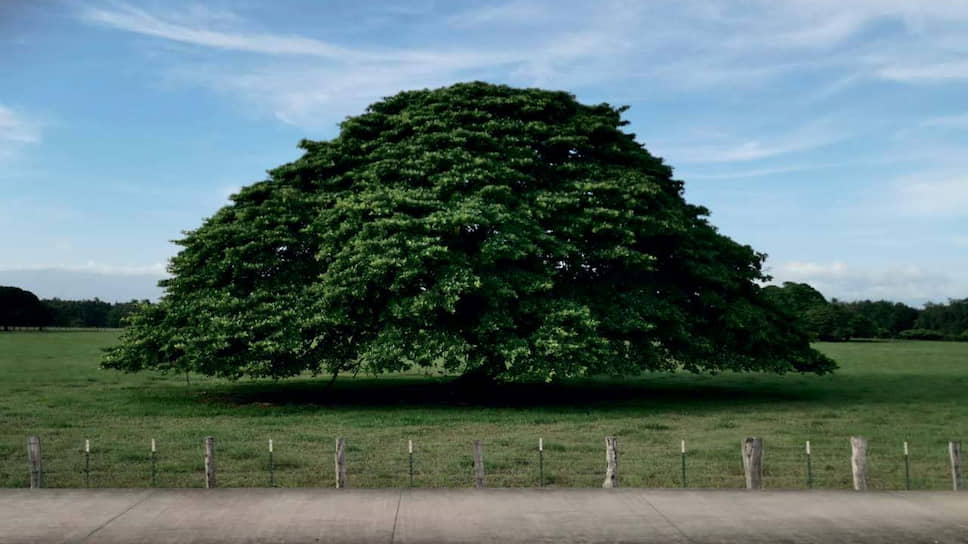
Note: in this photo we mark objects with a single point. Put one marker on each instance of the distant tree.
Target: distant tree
(798, 300)
(796, 297)
(121, 310)
(498, 232)
(830, 322)
(888, 318)
(950, 319)
(21, 308)
(64, 313)
(88, 313)
(860, 325)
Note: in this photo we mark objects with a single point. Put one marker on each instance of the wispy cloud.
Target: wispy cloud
(947, 121)
(180, 28)
(14, 128)
(757, 172)
(516, 12)
(16, 131)
(930, 72)
(302, 79)
(290, 80)
(810, 136)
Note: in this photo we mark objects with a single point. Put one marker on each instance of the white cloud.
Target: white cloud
(156, 269)
(932, 196)
(910, 284)
(80, 283)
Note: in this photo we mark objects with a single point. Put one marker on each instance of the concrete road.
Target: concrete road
(489, 515)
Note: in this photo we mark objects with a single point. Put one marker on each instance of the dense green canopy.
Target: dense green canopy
(512, 233)
(20, 308)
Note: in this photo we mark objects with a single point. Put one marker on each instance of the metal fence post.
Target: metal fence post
(154, 482)
(272, 467)
(907, 468)
(683, 448)
(540, 463)
(87, 463)
(809, 468)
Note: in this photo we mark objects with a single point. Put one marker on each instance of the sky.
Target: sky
(831, 135)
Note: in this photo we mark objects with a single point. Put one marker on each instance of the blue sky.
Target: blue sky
(831, 135)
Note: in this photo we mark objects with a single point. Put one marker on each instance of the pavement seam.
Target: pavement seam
(396, 515)
(645, 497)
(125, 511)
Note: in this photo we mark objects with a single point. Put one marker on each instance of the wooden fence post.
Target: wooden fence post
(209, 462)
(753, 462)
(858, 462)
(36, 463)
(954, 450)
(478, 464)
(611, 463)
(340, 463)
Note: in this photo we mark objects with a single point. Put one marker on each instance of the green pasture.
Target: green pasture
(889, 392)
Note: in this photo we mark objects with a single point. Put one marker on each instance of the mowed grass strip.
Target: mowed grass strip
(889, 392)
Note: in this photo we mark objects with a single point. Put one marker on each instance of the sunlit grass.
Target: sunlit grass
(886, 391)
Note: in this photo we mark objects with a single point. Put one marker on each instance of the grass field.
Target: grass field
(886, 391)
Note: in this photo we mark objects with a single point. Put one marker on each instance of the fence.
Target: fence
(497, 463)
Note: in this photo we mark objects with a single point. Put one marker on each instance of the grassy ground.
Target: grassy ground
(886, 391)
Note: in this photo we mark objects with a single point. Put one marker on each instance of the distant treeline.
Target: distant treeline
(21, 308)
(836, 320)
(832, 320)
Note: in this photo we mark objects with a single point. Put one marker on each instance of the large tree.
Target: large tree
(493, 231)
(21, 308)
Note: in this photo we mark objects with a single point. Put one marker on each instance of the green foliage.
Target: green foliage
(20, 308)
(922, 334)
(888, 318)
(799, 301)
(861, 326)
(797, 298)
(831, 322)
(478, 228)
(838, 321)
(89, 313)
(951, 318)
